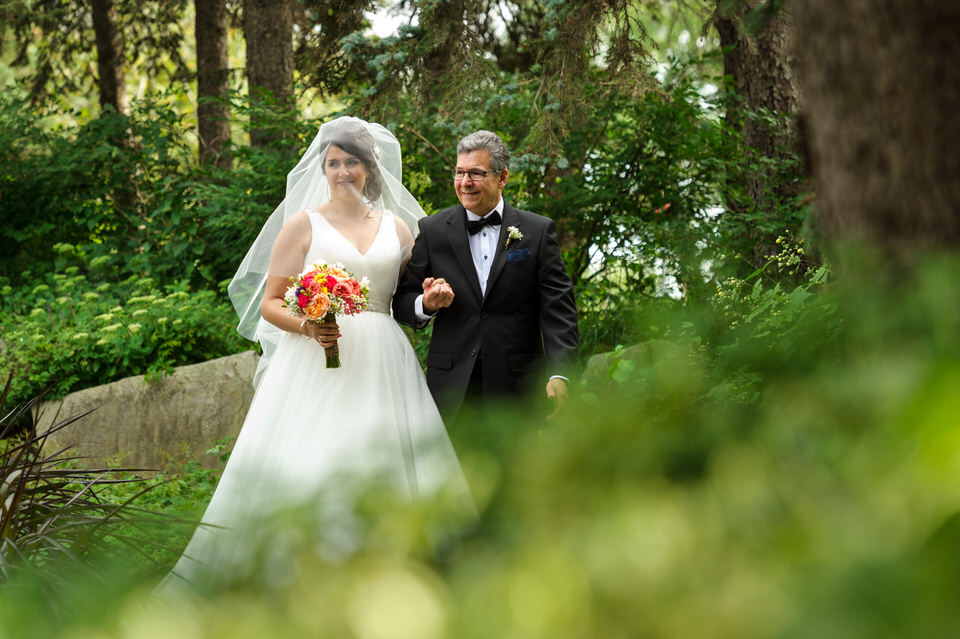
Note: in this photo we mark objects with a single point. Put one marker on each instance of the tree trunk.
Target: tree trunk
(446, 20)
(109, 56)
(113, 93)
(763, 66)
(881, 82)
(213, 75)
(268, 30)
(763, 71)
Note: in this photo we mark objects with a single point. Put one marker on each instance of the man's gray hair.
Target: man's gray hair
(488, 141)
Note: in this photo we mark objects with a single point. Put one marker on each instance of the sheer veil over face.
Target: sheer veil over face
(307, 188)
(349, 173)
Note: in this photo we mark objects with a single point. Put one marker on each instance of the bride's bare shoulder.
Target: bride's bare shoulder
(403, 231)
(298, 220)
(297, 226)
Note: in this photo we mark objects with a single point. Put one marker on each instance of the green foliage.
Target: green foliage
(764, 191)
(819, 499)
(790, 321)
(180, 497)
(647, 191)
(746, 332)
(68, 330)
(224, 210)
(93, 185)
(776, 451)
(128, 195)
(52, 519)
(54, 43)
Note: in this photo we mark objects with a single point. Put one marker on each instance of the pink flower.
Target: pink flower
(321, 291)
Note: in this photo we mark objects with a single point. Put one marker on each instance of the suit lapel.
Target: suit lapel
(510, 218)
(457, 235)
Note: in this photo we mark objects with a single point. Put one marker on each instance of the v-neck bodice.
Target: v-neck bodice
(380, 264)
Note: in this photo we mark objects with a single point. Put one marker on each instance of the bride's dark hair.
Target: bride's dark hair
(359, 143)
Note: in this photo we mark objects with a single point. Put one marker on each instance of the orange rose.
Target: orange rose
(317, 307)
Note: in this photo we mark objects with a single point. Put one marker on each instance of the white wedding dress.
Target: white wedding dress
(311, 432)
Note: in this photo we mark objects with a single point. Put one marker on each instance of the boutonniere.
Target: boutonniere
(513, 233)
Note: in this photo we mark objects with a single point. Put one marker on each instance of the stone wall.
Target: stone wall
(160, 424)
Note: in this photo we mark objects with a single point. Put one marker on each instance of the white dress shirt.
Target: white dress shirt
(483, 245)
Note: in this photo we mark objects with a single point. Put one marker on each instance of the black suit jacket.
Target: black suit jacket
(524, 327)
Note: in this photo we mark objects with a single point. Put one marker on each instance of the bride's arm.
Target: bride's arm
(286, 261)
(437, 293)
(406, 244)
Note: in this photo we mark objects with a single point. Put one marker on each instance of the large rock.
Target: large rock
(668, 358)
(160, 424)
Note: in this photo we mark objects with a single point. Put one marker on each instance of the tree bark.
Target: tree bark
(109, 56)
(763, 71)
(268, 31)
(763, 66)
(213, 75)
(881, 81)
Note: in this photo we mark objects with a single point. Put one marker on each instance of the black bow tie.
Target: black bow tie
(491, 219)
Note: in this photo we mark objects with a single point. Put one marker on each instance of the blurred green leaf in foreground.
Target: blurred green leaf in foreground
(791, 475)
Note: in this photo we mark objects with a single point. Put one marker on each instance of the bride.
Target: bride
(312, 430)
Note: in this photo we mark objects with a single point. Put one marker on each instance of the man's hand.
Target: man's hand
(437, 294)
(557, 390)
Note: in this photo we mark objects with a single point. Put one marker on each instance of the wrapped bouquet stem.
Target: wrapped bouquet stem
(321, 293)
(332, 351)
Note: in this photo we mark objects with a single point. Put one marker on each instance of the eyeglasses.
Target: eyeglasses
(475, 174)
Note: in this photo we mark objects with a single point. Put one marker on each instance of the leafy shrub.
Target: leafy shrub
(68, 331)
(749, 329)
(126, 192)
(180, 497)
(821, 503)
(52, 519)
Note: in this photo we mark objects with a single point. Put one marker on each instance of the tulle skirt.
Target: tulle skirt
(313, 431)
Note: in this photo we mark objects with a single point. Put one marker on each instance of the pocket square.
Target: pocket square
(520, 255)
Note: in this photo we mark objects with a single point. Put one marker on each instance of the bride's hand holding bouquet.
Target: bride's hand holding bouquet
(322, 292)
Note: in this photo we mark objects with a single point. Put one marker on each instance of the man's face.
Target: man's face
(478, 196)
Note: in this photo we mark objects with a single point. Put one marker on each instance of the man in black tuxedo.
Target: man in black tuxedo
(492, 279)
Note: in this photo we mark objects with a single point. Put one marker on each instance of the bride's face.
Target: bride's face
(345, 173)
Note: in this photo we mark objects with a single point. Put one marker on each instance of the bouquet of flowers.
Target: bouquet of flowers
(321, 293)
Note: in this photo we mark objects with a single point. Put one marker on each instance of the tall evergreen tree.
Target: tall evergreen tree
(759, 60)
(109, 56)
(53, 39)
(268, 31)
(881, 85)
(213, 76)
(320, 27)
